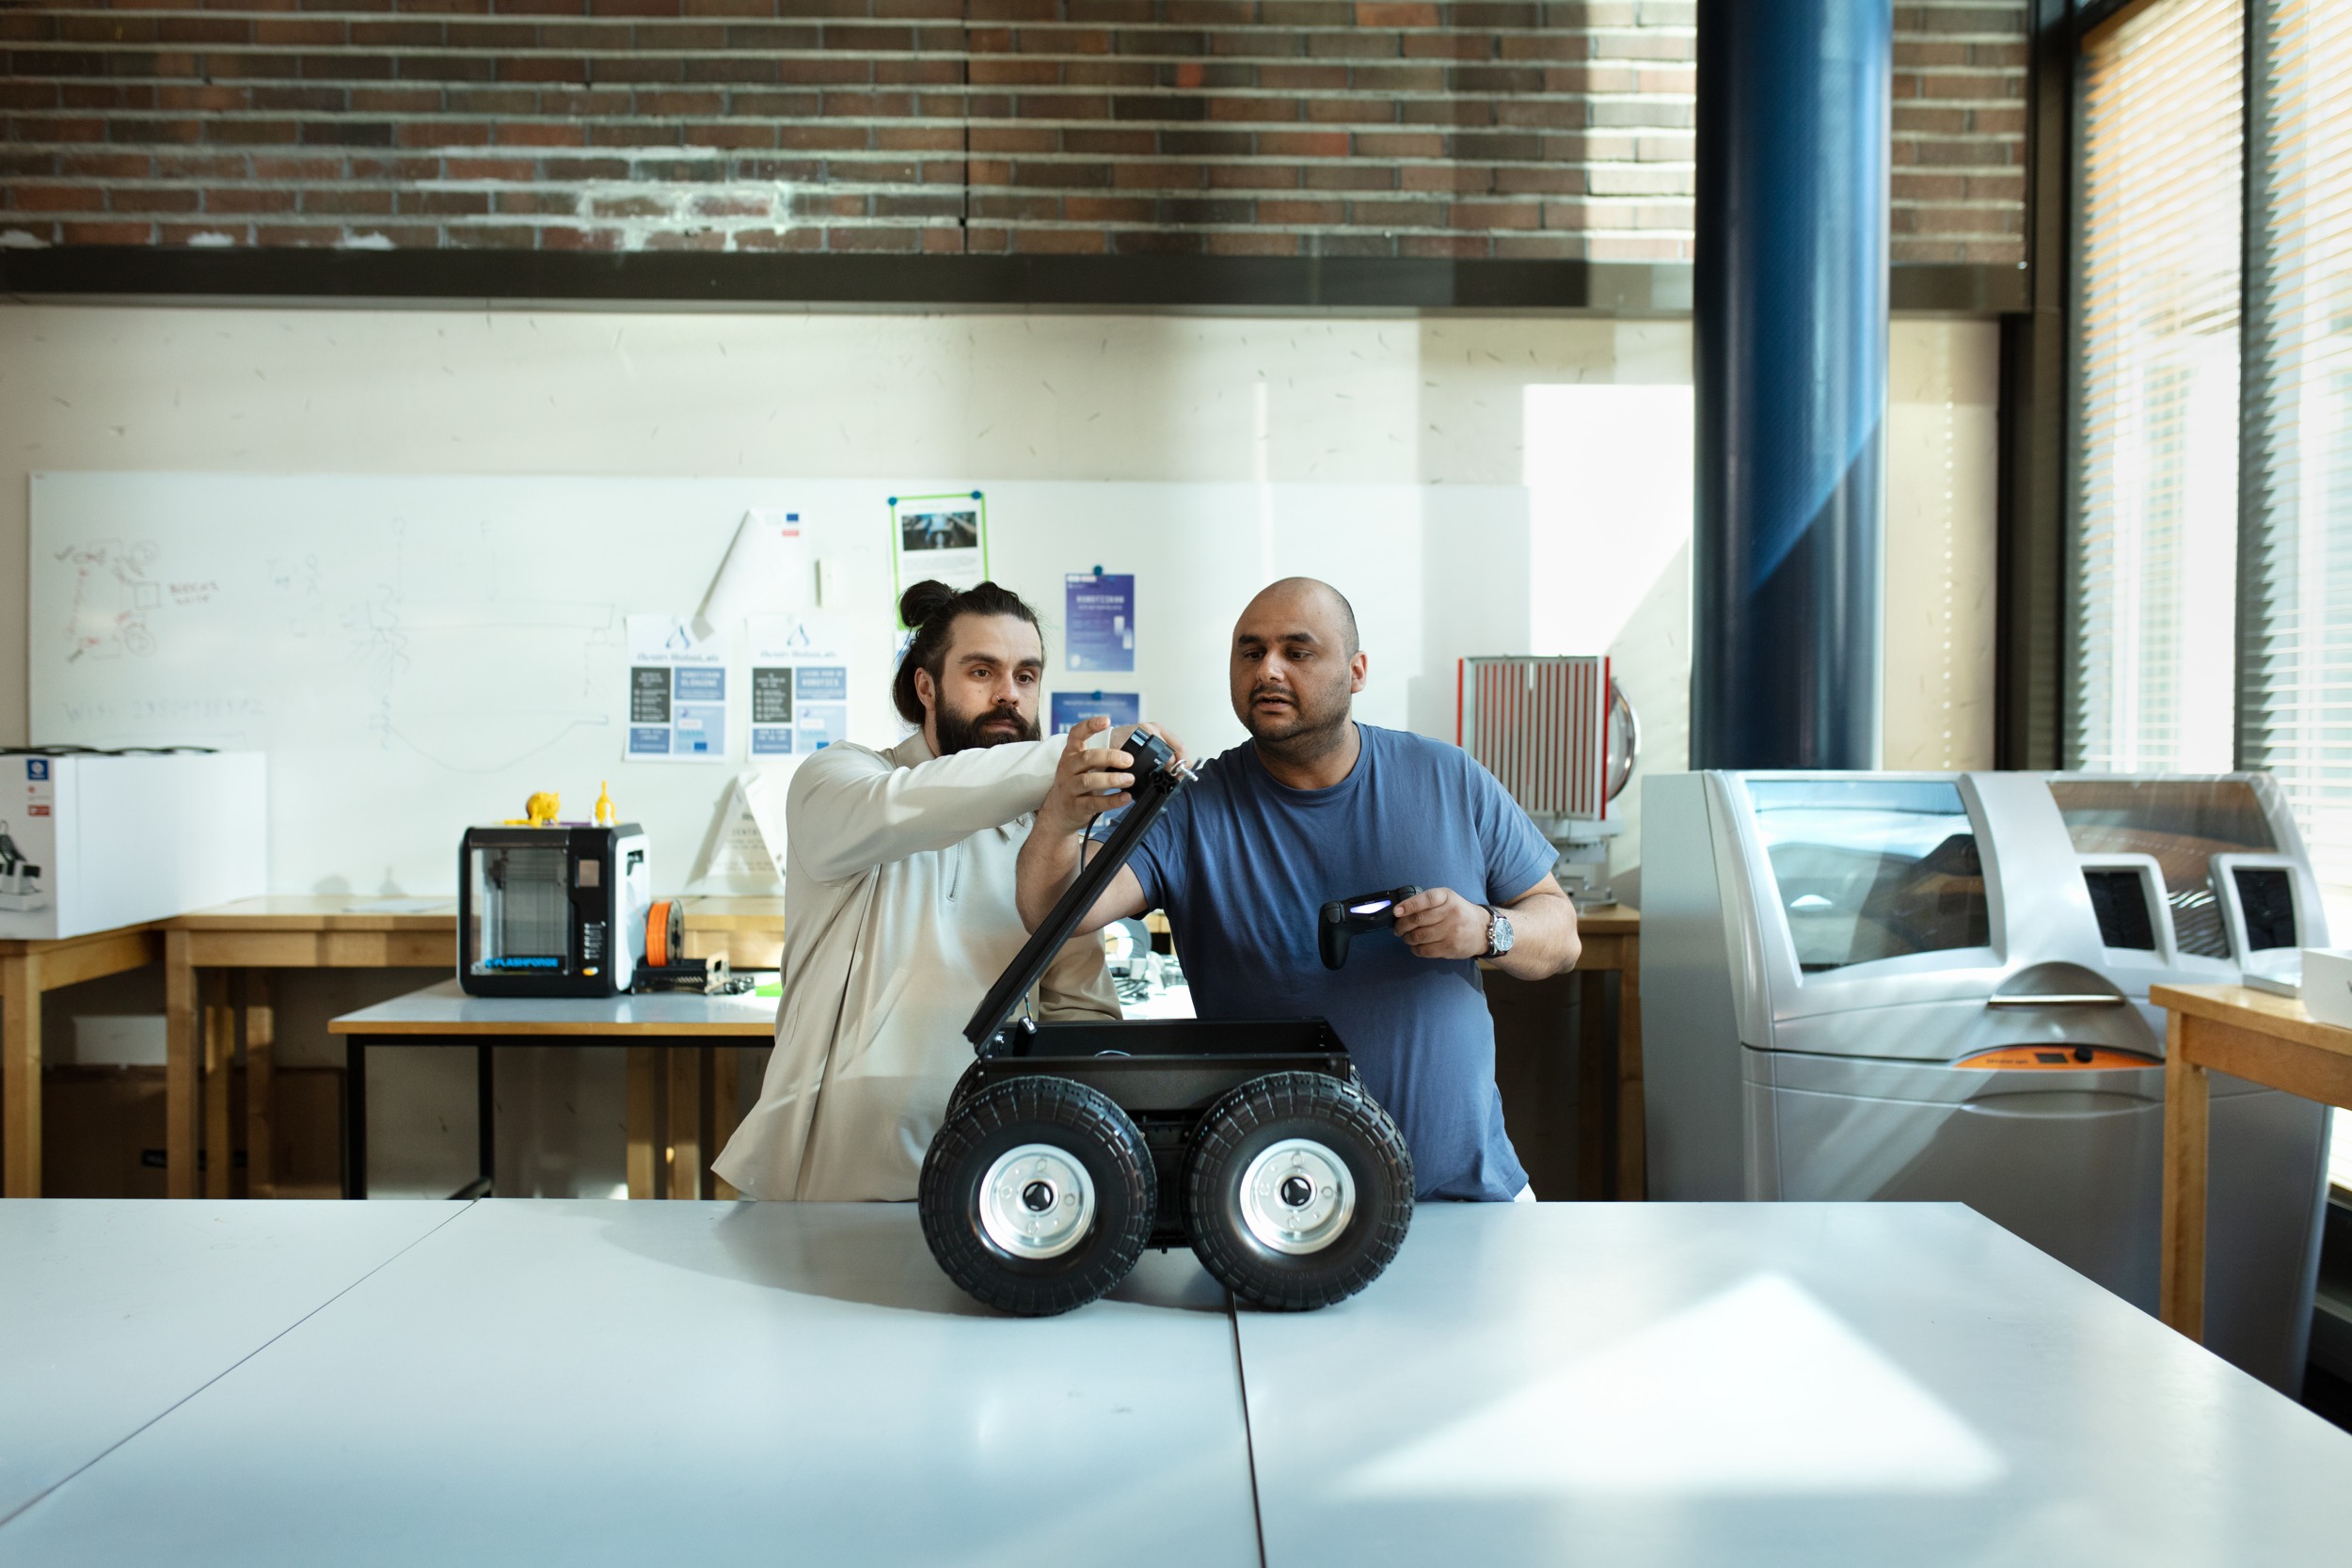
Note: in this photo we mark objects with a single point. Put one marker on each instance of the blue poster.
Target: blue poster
(1100, 613)
(1119, 707)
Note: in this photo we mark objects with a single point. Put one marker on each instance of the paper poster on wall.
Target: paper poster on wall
(800, 684)
(1119, 707)
(938, 536)
(747, 854)
(766, 571)
(677, 692)
(1099, 608)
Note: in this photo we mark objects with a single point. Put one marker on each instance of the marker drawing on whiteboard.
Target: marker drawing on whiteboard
(112, 597)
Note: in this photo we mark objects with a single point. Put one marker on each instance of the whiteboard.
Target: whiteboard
(416, 653)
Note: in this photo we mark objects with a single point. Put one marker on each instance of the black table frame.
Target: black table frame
(484, 1043)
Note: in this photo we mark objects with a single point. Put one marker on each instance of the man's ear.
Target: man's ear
(925, 693)
(1356, 670)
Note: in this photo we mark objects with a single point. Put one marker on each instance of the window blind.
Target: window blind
(2157, 466)
(2294, 668)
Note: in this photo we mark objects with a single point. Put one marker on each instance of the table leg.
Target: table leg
(261, 1048)
(20, 1076)
(219, 1045)
(182, 1067)
(486, 1119)
(355, 1118)
(644, 1132)
(684, 1066)
(1595, 1087)
(1633, 1148)
(726, 1068)
(2181, 1258)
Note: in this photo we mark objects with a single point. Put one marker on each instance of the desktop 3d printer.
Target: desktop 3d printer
(552, 908)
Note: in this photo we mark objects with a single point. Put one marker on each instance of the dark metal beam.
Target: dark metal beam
(934, 283)
(2037, 426)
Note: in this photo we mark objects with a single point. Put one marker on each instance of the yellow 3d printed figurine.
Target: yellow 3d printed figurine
(539, 810)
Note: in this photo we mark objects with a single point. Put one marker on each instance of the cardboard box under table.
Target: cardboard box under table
(443, 1015)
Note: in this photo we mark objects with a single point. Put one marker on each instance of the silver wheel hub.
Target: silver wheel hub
(1037, 1201)
(1296, 1197)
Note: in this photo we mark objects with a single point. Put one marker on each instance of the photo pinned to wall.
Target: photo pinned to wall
(800, 684)
(1098, 610)
(677, 692)
(944, 537)
(1121, 707)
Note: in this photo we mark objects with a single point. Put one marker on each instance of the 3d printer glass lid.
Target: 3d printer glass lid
(1872, 868)
(521, 907)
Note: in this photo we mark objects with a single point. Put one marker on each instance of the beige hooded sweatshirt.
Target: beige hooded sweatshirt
(898, 916)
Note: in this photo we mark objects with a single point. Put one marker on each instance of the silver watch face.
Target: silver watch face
(1499, 933)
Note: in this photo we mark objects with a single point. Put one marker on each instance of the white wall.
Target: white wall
(999, 397)
(1441, 401)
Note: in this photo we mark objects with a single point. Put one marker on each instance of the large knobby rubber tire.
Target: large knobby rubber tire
(1321, 1157)
(962, 1091)
(1086, 1156)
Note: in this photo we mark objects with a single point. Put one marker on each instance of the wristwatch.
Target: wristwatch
(1498, 933)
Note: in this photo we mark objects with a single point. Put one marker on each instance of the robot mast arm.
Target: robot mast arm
(1158, 778)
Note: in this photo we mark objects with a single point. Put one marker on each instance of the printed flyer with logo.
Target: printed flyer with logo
(677, 692)
(800, 684)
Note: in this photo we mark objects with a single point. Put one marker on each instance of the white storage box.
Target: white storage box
(2327, 985)
(91, 842)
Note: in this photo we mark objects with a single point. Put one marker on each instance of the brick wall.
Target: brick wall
(1460, 128)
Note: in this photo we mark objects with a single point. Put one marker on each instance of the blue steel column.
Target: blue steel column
(1789, 307)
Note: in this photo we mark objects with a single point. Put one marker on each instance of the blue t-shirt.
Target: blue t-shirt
(1244, 865)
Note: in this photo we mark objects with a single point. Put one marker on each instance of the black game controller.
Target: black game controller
(1344, 918)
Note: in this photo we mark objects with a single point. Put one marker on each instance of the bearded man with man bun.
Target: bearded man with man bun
(899, 909)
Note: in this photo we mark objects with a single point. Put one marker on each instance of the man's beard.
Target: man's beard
(962, 733)
(1305, 731)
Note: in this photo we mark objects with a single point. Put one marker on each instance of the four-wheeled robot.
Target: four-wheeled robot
(1069, 1147)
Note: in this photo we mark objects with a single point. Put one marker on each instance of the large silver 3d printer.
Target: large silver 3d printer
(1934, 987)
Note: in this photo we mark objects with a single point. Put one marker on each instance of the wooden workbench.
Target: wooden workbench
(217, 988)
(28, 968)
(2252, 1035)
(1611, 934)
(218, 992)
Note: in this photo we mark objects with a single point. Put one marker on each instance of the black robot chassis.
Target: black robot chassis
(1069, 1148)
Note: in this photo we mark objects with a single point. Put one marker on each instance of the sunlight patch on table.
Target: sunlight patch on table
(1758, 1391)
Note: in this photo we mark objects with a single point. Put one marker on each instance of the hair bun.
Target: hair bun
(925, 599)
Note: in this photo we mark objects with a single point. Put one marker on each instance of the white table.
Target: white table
(589, 1382)
(1766, 1383)
(1612, 1384)
(112, 1313)
(443, 1015)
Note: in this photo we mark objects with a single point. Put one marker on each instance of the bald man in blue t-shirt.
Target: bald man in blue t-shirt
(1314, 807)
